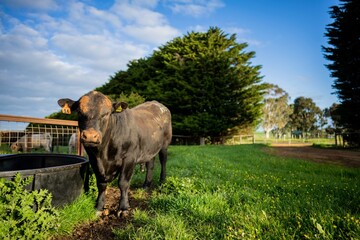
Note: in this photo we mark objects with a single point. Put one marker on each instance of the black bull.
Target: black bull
(116, 141)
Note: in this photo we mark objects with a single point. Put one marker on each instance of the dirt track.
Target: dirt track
(348, 158)
(101, 228)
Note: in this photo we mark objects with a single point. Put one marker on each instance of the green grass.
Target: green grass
(5, 149)
(240, 192)
(80, 211)
(236, 192)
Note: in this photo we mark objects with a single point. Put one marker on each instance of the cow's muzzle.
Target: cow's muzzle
(90, 137)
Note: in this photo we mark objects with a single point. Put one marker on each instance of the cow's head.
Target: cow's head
(15, 146)
(94, 110)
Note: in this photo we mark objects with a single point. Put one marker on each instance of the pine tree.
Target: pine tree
(344, 53)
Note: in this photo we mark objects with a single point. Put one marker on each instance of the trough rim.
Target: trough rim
(27, 172)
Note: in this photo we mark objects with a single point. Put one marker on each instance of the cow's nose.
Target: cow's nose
(90, 136)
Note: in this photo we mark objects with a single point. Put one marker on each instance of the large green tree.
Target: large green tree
(344, 54)
(305, 115)
(206, 79)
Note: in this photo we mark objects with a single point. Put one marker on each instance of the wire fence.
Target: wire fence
(27, 134)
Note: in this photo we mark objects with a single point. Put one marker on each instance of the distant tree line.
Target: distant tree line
(303, 118)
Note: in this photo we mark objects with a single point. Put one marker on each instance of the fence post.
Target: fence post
(79, 145)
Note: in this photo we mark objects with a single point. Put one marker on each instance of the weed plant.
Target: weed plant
(241, 192)
(24, 214)
(30, 215)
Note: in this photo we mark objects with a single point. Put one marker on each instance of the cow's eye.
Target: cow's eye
(82, 118)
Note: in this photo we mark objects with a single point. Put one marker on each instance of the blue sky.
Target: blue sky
(52, 49)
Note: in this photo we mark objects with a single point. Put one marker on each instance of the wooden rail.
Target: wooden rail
(241, 137)
(12, 118)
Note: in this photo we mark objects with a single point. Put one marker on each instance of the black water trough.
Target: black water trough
(63, 175)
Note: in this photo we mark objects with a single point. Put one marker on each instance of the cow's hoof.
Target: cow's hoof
(106, 212)
(122, 213)
(102, 213)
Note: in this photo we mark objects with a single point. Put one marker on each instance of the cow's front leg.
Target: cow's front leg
(149, 173)
(124, 184)
(100, 202)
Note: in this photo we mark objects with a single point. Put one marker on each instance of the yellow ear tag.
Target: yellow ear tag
(119, 109)
(66, 109)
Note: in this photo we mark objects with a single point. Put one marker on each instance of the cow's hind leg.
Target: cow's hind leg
(149, 173)
(124, 184)
(163, 158)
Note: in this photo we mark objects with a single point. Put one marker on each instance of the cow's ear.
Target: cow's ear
(67, 105)
(120, 106)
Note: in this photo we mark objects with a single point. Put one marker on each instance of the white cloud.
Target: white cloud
(87, 19)
(52, 52)
(195, 8)
(142, 23)
(137, 14)
(244, 35)
(237, 30)
(251, 42)
(199, 28)
(100, 52)
(152, 34)
(145, 3)
(36, 4)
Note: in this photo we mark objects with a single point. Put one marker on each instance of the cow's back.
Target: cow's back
(154, 120)
(40, 140)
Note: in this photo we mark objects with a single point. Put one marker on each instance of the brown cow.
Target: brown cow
(116, 141)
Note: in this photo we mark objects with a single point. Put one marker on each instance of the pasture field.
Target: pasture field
(228, 192)
(242, 192)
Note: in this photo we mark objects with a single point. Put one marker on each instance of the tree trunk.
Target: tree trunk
(202, 141)
(267, 134)
(336, 142)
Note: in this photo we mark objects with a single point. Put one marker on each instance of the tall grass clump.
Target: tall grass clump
(241, 192)
(80, 211)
